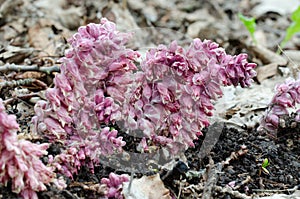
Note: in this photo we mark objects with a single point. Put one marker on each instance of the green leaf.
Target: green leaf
(293, 28)
(296, 15)
(265, 163)
(250, 24)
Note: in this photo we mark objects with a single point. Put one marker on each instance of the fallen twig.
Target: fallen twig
(277, 190)
(23, 97)
(235, 155)
(44, 69)
(228, 190)
(22, 82)
(247, 180)
(212, 178)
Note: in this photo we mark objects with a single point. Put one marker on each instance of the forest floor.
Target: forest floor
(35, 33)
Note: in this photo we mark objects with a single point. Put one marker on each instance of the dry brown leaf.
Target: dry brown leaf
(42, 37)
(267, 56)
(30, 74)
(267, 71)
(39, 38)
(147, 187)
(239, 107)
(115, 12)
(195, 28)
(71, 17)
(200, 14)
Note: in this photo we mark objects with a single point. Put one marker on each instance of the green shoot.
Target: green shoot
(250, 24)
(264, 166)
(265, 163)
(292, 29)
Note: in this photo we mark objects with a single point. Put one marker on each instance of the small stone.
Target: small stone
(293, 124)
(281, 178)
(251, 138)
(230, 170)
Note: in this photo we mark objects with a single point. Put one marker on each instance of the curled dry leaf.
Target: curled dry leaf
(14, 54)
(275, 6)
(7, 6)
(147, 187)
(30, 74)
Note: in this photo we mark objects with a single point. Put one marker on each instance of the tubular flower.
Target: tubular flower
(286, 96)
(169, 98)
(172, 100)
(20, 160)
(89, 92)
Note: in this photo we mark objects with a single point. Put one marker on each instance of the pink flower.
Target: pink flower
(20, 160)
(286, 96)
(169, 97)
(89, 91)
(182, 83)
(114, 185)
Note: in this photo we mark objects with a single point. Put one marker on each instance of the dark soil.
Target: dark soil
(245, 170)
(282, 153)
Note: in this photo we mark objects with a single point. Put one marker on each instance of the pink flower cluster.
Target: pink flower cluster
(86, 152)
(88, 94)
(172, 97)
(114, 184)
(286, 96)
(169, 99)
(20, 160)
(70, 161)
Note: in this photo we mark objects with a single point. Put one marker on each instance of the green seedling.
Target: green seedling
(292, 29)
(250, 24)
(264, 165)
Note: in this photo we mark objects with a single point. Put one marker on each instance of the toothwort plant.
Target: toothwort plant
(20, 161)
(167, 97)
(287, 95)
(172, 97)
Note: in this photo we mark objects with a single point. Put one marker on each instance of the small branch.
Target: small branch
(24, 97)
(212, 178)
(235, 194)
(247, 180)
(276, 190)
(22, 82)
(18, 68)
